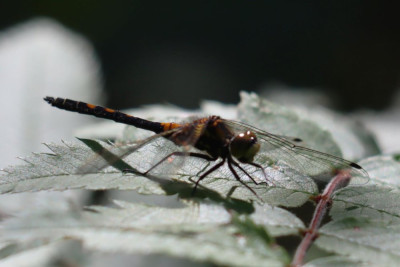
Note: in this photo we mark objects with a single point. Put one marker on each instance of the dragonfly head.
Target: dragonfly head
(244, 146)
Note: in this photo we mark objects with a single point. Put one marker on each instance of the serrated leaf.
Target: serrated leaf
(57, 172)
(290, 188)
(213, 233)
(204, 232)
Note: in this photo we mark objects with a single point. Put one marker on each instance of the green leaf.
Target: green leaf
(227, 225)
(280, 120)
(321, 129)
(378, 199)
(57, 171)
(199, 231)
(276, 221)
(366, 219)
(384, 170)
(369, 201)
(362, 239)
(334, 261)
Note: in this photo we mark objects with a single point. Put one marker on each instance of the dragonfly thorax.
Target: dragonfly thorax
(244, 146)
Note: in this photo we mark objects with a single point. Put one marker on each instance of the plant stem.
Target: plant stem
(341, 180)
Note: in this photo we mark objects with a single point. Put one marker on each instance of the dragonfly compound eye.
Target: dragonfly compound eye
(244, 146)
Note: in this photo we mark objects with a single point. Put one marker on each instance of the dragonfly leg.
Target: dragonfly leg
(244, 171)
(263, 171)
(215, 167)
(181, 154)
(238, 178)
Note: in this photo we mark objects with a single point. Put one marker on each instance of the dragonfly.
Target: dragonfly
(221, 141)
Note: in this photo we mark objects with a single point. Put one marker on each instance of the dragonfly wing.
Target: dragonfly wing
(276, 149)
(189, 133)
(108, 156)
(162, 153)
(294, 140)
(171, 159)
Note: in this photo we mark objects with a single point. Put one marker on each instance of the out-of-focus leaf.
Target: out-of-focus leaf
(41, 56)
(203, 232)
(44, 254)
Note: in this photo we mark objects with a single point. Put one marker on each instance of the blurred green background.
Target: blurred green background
(184, 51)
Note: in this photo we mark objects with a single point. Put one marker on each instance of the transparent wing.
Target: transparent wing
(276, 150)
(161, 153)
(107, 156)
(169, 156)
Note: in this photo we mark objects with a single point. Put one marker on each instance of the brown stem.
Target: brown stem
(341, 180)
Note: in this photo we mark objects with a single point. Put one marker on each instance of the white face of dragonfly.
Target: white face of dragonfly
(244, 146)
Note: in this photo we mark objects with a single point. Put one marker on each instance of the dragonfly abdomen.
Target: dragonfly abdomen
(106, 113)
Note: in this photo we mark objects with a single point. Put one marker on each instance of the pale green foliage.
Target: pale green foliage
(199, 231)
(223, 223)
(366, 220)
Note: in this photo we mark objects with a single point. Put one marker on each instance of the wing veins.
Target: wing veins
(90, 165)
(287, 149)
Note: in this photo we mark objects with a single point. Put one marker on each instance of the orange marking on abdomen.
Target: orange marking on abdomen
(170, 125)
(109, 110)
(91, 106)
